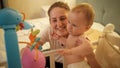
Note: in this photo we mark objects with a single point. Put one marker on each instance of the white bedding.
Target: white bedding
(40, 23)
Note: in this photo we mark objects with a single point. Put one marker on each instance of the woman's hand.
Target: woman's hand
(60, 39)
(55, 36)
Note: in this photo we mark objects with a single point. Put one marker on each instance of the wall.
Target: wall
(71, 3)
(32, 8)
(106, 11)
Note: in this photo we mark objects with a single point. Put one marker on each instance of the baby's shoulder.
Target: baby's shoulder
(84, 39)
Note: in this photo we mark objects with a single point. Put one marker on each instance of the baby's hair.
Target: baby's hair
(58, 4)
(87, 9)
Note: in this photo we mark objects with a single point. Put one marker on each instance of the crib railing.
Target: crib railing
(51, 54)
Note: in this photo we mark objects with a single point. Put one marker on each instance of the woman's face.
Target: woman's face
(58, 21)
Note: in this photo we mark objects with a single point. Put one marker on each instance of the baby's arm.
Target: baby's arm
(79, 50)
(65, 52)
(84, 48)
(90, 55)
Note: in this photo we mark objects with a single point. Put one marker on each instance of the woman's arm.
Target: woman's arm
(92, 61)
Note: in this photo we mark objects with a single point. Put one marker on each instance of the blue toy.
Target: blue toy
(9, 19)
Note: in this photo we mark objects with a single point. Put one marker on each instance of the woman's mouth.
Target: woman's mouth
(61, 28)
(61, 31)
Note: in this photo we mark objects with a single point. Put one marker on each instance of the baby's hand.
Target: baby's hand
(65, 52)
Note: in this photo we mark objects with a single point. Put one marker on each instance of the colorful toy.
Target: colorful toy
(28, 58)
(32, 57)
(9, 19)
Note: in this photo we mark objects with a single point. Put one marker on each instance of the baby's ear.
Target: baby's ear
(88, 27)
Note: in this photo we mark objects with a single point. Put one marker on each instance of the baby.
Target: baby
(77, 46)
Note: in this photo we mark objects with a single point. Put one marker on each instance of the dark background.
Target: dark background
(1, 4)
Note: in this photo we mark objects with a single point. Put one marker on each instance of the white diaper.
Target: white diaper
(82, 64)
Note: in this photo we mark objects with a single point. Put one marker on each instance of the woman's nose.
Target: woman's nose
(69, 26)
(59, 23)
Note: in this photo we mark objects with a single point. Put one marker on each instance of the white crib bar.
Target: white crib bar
(51, 54)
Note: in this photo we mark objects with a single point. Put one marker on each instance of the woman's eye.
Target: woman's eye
(63, 18)
(74, 25)
(54, 20)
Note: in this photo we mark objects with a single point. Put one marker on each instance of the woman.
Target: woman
(57, 13)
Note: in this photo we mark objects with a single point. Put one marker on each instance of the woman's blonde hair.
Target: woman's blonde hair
(58, 4)
(87, 9)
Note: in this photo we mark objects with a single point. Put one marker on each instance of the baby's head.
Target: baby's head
(81, 18)
(85, 9)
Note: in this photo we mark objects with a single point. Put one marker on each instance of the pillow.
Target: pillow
(107, 52)
(93, 34)
(45, 10)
